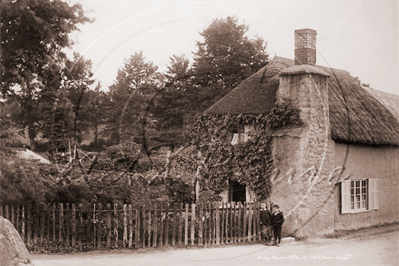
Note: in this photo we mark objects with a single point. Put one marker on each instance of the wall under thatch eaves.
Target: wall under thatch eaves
(355, 115)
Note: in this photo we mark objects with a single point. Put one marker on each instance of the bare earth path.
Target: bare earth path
(374, 246)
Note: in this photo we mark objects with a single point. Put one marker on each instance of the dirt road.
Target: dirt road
(375, 246)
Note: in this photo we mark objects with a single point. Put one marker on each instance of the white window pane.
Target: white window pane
(235, 139)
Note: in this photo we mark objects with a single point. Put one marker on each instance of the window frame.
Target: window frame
(241, 131)
(357, 191)
(354, 189)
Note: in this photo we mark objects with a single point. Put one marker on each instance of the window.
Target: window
(237, 192)
(240, 134)
(359, 195)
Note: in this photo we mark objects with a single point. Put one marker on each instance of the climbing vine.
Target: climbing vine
(249, 162)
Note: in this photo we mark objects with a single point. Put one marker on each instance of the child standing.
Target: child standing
(265, 222)
(277, 223)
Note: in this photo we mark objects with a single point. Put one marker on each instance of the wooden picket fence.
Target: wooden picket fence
(128, 226)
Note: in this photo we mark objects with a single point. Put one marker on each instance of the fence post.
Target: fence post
(23, 223)
(94, 226)
(53, 217)
(222, 224)
(250, 222)
(226, 223)
(244, 228)
(6, 213)
(167, 224)
(217, 223)
(42, 223)
(47, 213)
(109, 234)
(73, 225)
(254, 224)
(80, 225)
(186, 226)
(130, 226)
(137, 227)
(258, 221)
(192, 223)
(180, 224)
(1, 212)
(13, 215)
(210, 224)
(161, 226)
(18, 225)
(155, 238)
(149, 225)
(213, 223)
(206, 224)
(66, 215)
(174, 225)
(99, 226)
(89, 217)
(124, 241)
(29, 224)
(239, 226)
(200, 227)
(144, 225)
(61, 227)
(116, 225)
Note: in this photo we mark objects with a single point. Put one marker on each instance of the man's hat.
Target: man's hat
(275, 205)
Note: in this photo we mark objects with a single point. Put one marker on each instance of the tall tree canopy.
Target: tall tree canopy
(135, 84)
(226, 56)
(34, 32)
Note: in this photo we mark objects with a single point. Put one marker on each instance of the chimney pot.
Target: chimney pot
(305, 47)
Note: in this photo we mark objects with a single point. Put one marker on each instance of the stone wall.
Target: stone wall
(303, 159)
(365, 162)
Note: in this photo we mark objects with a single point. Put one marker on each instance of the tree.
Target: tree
(95, 102)
(171, 107)
(226, 56)
(136, 83)
(65, 109)
(34, 32)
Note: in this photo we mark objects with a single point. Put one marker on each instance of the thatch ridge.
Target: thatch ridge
(355, 115)
(389, 100)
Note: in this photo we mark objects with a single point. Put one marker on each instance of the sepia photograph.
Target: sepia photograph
(199, 132)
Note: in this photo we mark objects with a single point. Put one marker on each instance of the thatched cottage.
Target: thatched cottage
(339, 170)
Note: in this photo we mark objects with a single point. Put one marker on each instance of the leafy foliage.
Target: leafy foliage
(129, 97)
(227, 56)
(24, 181)
(33, 35)
(249, 163)
(224, 58)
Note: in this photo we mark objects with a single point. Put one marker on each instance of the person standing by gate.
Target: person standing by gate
(265, 223)
(277, 223)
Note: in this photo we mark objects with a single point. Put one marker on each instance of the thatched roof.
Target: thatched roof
(356, 115)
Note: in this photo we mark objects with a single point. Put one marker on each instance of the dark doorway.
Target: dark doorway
(237, 192)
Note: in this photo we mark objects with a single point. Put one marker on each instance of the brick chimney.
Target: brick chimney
(305, 47)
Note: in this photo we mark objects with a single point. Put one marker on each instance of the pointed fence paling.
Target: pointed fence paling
(136, 226)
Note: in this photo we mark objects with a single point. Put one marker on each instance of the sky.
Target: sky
(359, 36)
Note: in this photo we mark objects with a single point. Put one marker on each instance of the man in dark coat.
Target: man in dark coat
(277, 223)
(265, 222)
